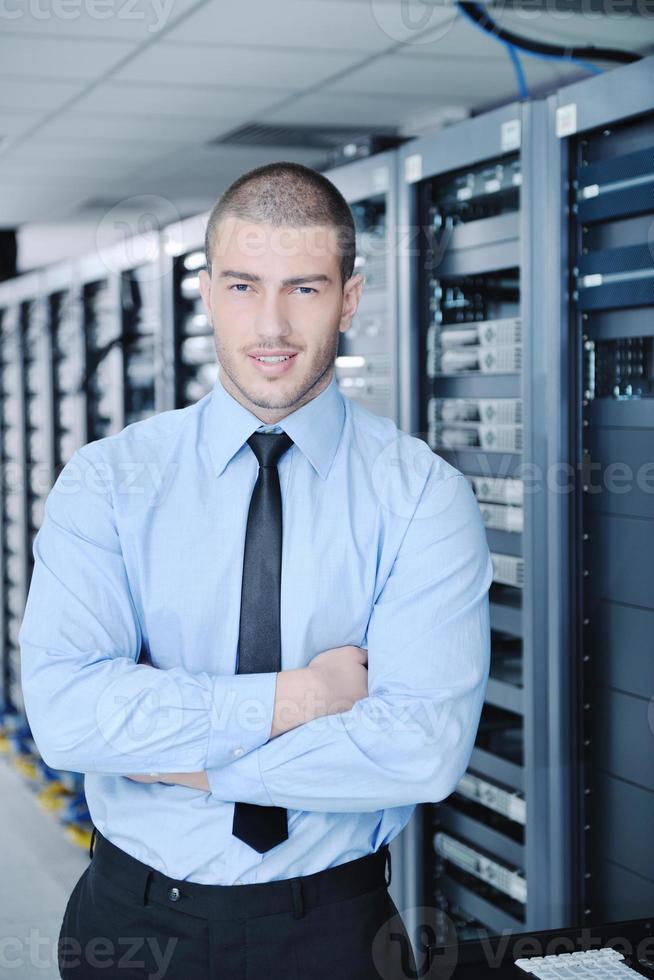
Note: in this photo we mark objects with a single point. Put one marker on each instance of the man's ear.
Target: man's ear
(351, 297)
(204, 281)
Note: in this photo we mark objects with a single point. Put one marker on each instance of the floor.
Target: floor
(39, 868)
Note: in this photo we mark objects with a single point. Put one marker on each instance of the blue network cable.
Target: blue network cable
(523, 88)
(538, 49)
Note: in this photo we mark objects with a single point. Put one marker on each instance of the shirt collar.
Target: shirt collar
(315, 427)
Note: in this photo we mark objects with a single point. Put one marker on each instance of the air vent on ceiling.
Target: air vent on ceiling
(98, 204)
(339, 144)
(305, 137)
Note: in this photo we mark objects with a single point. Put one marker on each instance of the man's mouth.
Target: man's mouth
(273, 363)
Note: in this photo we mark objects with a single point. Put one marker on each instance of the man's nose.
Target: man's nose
(272, 316)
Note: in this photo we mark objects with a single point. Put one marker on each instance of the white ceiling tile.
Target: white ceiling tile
(415, 3)
(210, 164)
(45, 96)
(334, 109)
(105, 127)
(38, 58)
(336, 24)
(177, 207)
(87, 152)
(35, 166)
(20, 205)
(12, 124)
(140, 20)
(193, 74)
(421, 78)
(55, 182)
(482, 85)
(186, 64)
(199, 101)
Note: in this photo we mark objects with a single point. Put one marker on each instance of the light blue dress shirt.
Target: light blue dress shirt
(138, 566)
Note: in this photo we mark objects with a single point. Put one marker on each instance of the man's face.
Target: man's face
(273, 291)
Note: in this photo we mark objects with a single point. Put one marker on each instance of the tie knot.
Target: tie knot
(268, 447)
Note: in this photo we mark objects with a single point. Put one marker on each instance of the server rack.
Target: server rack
(367, 355)
(61, 290)
(367, 358)
(190, 365)
(120, 304)
(142, 350)
(79, 350)
(602, 283)
(21, 357)
(473, 386)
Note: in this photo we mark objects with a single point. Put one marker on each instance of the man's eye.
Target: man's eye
(240, 286)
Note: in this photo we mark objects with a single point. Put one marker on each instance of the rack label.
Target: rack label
(510, 135)
(566, 120)
(413, 168)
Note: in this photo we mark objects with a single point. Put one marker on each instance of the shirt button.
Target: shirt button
(173, 894)
(237, 753)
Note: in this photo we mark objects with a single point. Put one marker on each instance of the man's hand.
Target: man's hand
(344, 675)
(329, 684)
(194, 780)
(332, 682)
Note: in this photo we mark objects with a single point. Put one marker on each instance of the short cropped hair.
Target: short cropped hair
(288, 194)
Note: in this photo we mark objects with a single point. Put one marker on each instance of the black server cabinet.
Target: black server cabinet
(140, 307)
(79, 350)
(189, 366)
(367, 356)
(195, 360)
(16, 316)
(473, 387)
(606, 135)
(68, 365)
(471, 410)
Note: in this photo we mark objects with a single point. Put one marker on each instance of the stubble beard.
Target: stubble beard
(268, 395)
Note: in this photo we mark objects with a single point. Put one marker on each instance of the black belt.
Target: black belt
(334, 884)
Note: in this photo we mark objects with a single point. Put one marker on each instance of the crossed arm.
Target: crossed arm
(332, 682)
(407, 739)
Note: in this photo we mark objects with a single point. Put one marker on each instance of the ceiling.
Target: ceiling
(105, 103)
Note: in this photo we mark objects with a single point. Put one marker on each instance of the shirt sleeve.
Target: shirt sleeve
(90, 705)
(428, 640)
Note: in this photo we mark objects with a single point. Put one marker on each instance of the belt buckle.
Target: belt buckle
(388, 865)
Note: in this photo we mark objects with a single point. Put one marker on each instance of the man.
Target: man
(246, 780)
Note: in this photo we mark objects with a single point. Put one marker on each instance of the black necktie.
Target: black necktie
(259, 642)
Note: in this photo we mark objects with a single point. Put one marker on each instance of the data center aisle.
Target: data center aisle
(39, 867)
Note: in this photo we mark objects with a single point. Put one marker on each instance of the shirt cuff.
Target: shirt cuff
(241, 716)
(240, 782)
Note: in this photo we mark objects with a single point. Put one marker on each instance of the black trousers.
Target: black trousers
(126, 920)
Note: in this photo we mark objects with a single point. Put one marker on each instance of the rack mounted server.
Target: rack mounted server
(602, 185)
(79, 358)
(473, 387)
